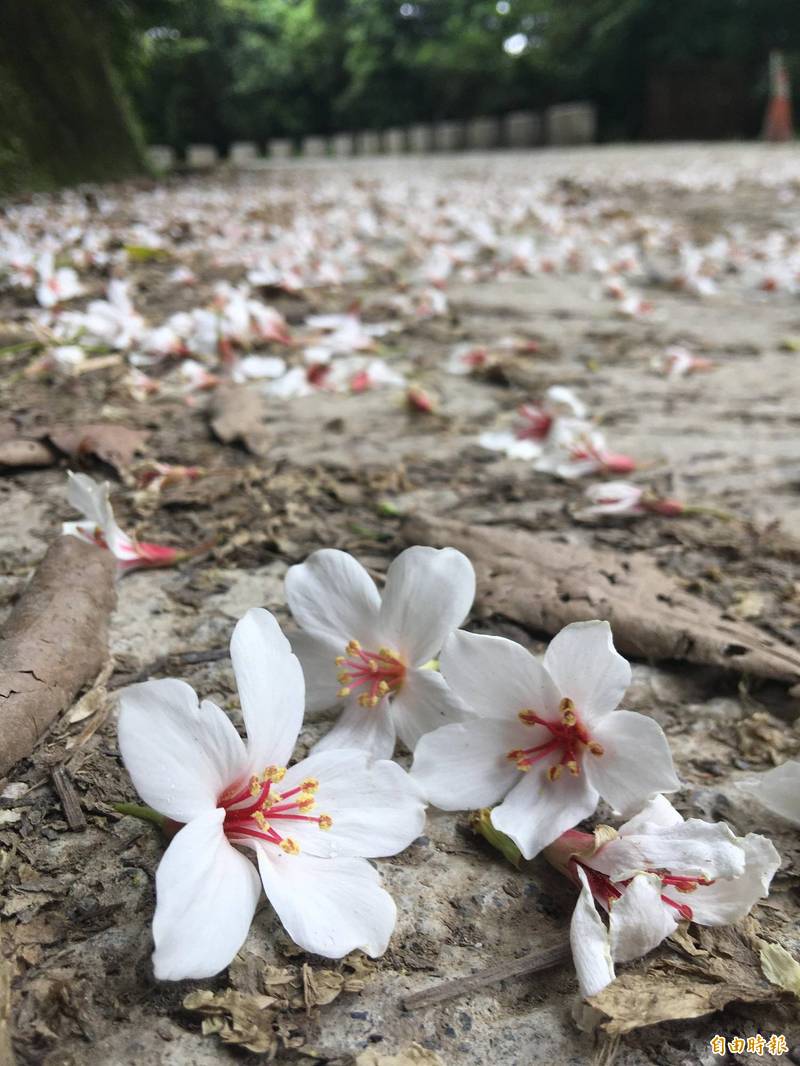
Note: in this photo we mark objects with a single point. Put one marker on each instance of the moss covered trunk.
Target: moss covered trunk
(63, 117)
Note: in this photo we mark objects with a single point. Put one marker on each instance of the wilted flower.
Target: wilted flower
(310, 828)
(655, 871)
(373, 651)
(624, 498)
(546, 739)
(575, 448)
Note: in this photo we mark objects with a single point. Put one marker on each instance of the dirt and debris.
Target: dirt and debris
(355, 470)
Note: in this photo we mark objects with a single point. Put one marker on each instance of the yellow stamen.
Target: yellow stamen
(325, 821)
(275, 773)
(340, 660)
(343, 692)
(595, 748)
(353, 647)
(572, 766)
(255, 785)
(291, 847)
(310, 784)
(260, 820)
(306, 803)
(567, 708)
(554, 773)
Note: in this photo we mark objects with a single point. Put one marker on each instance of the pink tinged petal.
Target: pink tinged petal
(317, 656)
(424, 703)
(206, 895)
(636, 762)
(585, 667)
(779, 790)
(181, 756)
(588, 938)
(332, 596)
(725, 902)
(466, 765)
(369, 729)
(691, 849)
(91, 499)
(428, 594)
(657, 814)
(537, 810)
(376, 808)
(328, 907)
(639, 920)
(498, 678)
(271, 688)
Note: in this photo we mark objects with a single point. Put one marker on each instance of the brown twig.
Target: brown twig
(70, 801)
(533, 962)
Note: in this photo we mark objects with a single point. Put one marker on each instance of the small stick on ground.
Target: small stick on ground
(70, 801)
(533, 962)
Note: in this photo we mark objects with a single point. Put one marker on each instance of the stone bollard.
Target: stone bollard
(314, 147)
(571, 124)
(420, 138)
(448, 136)
(522, 129)
(483, 134)
(395, 141)
(368, 142)
(201, 156)
(342, 145)
(161, 156)
(242, 152)
(280, 148)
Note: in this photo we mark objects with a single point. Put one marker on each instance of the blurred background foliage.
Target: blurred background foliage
(84, 83)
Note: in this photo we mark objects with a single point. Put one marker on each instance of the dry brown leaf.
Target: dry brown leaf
(413, 1055)
(237, 1018)
(113, 444)
(54, 643)
(237, 416)
(544, 582)
(724, 966)
(321, 987)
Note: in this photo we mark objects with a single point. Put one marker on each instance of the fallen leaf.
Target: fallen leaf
(321, 987)
(723, 967)
(780, 968)
(545, 582)
(237, 1018)
(113, 444)
(237, 416)
(54, 643)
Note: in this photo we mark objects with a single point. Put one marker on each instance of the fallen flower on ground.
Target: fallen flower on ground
(98, 526)
(679, 361)
(310, 827)
(778, 790)
(154, 477)
(535, 423)
(654, 872)
(56, 285)
(546, 738)
(624, 498)
(575, 448)
(372, 651)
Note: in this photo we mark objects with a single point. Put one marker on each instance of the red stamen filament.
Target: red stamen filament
(380, 673)
(250, 811)
(568, 734)
(605, 891)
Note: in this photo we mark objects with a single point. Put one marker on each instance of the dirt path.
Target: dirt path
(342, 469)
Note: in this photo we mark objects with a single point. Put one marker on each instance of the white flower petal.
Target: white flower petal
(376, 808)
(588, 937)
(586, 667)
(509, 444)
(657, 814)
(725, 902)
(332, 595)
(779, 790)
(537, 810)
(498, 678)
(369, 729)
(428, 594)
(206, 895)
(466, 765)
(689, 849)
(329, 907)
(424, 703)
(181, 756)
(271, 688)
(91, 499)
(640, 920)
(318, 658)
(636, 762)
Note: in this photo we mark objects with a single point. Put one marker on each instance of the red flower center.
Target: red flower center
(568, 738)
(252, 811)
(606, 891)
(378, 674)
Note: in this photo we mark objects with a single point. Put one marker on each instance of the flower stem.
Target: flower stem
(145, 814)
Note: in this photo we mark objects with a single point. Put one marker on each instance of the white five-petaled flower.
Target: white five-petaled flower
(545, 739)
(98, 526)
(535, 424)
(309, 827)
(655, 871)
(625, 498)
(778, 790)
(371, 651)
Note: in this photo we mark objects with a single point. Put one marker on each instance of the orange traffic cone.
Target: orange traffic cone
(778, 119)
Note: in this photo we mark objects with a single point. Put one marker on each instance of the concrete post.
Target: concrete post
(368, 142)
(315, 147)
(280, 148)
(522, 129)
(242, 152)
(342, 145)
(420, 138)
(483, 134)
(395, 141)
(448, 136)
(161, 156)
(201, 156)
(571, 124)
